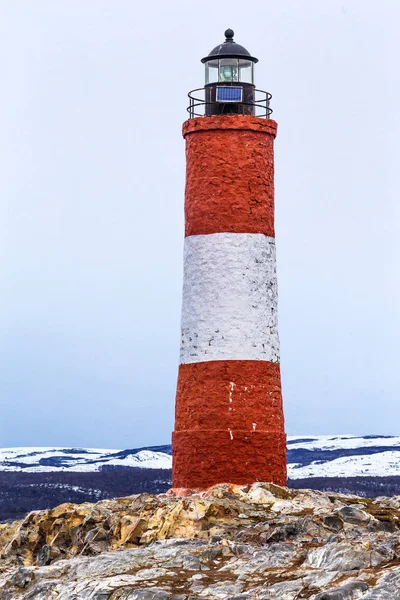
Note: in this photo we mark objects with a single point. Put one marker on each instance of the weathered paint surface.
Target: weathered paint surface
(229, 309)
(229, 175)
(205, 458)
(234, 122)
(237, 394)
(228, 424)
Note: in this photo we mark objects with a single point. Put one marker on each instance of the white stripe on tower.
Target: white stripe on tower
(229, 309)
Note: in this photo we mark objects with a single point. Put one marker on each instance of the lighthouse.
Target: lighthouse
(229, 424)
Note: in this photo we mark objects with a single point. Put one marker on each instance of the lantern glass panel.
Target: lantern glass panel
(211, 71)
(228, 70)
(246, 71)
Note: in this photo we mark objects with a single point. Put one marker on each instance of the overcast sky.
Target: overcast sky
(93, 96)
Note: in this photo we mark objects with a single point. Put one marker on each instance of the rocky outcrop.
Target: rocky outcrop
(231, 542)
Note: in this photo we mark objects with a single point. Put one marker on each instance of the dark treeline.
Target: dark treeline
(22, 492)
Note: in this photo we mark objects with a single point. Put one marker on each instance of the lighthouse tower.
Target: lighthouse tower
(229, 420)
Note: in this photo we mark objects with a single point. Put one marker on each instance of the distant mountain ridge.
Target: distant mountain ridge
(308, 457)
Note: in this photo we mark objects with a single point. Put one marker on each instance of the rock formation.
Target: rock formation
(232, 542)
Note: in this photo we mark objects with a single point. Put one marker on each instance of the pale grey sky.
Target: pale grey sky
(92, 101)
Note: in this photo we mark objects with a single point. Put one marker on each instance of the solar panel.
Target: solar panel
(229, 94)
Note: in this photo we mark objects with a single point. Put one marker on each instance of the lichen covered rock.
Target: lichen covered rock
(231, 542)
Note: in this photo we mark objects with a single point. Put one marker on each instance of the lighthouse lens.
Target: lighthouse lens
(228, 70)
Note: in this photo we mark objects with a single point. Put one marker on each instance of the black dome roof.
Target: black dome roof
(229, 49)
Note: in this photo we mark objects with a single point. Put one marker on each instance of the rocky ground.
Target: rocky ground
(231, 542)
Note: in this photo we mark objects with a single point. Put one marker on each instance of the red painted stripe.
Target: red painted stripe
(229, 394)
(205, 458)
(229, 175)
(228, 413)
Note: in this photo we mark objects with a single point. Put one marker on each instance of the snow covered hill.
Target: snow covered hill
(343, 456)
(308, 456)
(42, 460)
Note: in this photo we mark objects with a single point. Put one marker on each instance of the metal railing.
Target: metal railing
(198, 105)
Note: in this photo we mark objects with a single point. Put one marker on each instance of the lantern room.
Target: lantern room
(229, 86)
(229, 78)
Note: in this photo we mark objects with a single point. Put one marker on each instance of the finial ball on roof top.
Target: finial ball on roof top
(229, 33)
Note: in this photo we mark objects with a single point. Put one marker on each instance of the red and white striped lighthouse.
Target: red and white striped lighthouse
(229, 423)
